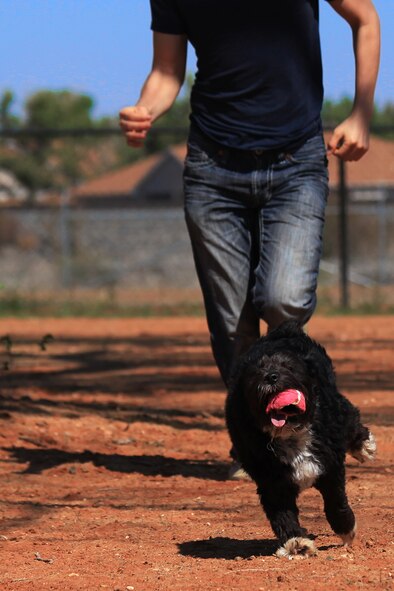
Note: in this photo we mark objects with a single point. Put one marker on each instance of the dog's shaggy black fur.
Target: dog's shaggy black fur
(309, 449)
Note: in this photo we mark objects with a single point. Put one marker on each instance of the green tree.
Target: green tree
(335, 112)
(7, 119)
(61, 158)
(384, 117)
(63, 109)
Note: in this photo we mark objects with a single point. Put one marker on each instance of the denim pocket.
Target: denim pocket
(197, 158)
(312, 151)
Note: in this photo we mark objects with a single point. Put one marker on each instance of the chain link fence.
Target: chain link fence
(134, 256)
(140, 255)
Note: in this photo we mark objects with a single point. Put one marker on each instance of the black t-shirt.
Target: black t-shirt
(259, 73)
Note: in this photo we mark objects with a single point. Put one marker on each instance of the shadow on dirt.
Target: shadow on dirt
(129, 413)
(40, 460)
(147, 367)
(230, 548)
(227, 548)
(112, 365)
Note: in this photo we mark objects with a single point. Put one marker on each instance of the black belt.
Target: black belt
(243, 158)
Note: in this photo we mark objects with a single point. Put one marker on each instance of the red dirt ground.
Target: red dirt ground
(114, 454)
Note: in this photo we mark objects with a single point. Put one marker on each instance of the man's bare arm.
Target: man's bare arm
(350, 140)
(160, 89)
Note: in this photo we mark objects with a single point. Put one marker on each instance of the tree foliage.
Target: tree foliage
(49, 163)
(59, 110)
(382, 120)
(7, 119)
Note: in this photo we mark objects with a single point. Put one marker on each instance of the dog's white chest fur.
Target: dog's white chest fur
(306, 469)
(297, 453)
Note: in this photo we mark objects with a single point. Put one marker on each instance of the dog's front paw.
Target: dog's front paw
(297, 548)
(348, 538)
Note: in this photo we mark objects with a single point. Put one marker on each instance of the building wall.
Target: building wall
(163, 187)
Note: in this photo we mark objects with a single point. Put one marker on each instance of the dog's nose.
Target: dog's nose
(272, 377)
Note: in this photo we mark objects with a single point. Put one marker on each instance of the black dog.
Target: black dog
(291, 429)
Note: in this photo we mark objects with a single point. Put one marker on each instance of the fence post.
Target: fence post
(383, 247)
(65, 239)
(343, 236)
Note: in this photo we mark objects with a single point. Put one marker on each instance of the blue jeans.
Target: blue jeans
(255, 221)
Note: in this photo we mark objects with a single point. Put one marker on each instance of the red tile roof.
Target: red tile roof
(118, 182)
(124, 180)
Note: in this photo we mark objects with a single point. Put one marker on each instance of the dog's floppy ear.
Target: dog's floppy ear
(288, 329)
(320, 364)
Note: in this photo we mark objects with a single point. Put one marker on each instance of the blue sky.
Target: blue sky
(103, 48)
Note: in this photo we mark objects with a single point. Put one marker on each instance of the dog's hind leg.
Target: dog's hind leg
(363, 447)
(361, 443)
(336, 505)
(279, 504)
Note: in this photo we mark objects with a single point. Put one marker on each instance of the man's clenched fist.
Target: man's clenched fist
(135, 123)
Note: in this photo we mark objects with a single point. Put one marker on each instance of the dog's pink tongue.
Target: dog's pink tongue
(278, 420)
(285, 398)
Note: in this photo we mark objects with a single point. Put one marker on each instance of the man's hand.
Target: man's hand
(350, 140)
(135, 123)
(160, 89)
